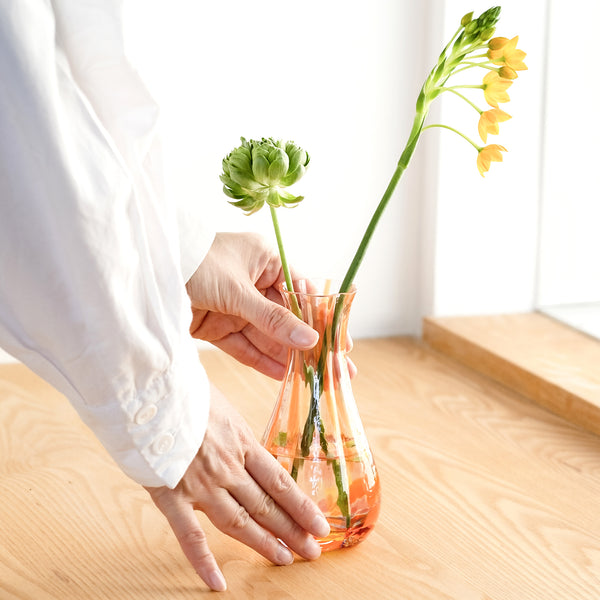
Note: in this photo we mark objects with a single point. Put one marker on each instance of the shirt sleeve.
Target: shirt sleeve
(91, 33)
(195, 238)
(92, 296)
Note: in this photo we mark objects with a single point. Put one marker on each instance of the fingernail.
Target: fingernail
(320, 526)
(349, 343)
(216, 581)
(312, 549)
(284, 556)
(303, 336)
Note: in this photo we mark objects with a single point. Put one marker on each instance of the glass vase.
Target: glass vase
(315, 430)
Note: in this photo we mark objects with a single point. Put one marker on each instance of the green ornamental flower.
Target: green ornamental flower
(259, 171)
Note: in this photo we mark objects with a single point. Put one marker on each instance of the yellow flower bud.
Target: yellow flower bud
(497, 43)
(507, 73)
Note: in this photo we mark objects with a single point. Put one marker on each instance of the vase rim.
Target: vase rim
(326, 286)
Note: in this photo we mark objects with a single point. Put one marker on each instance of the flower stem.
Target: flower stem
(462, 97)
(284, 264)
(314, 378)
(463, 87)
(479, 55)
(422, 111)
(447, 47)
(488, 66)
(400, 168)
(455, 131)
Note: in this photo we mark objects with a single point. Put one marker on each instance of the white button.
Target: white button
(163, 443)
(146, 414)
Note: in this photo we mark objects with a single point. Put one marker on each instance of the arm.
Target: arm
(91, 295)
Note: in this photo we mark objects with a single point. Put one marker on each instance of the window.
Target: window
(569, 258)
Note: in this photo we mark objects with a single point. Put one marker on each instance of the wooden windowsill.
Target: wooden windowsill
(549, 362)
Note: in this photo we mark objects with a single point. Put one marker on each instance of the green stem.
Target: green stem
(314, 380)
(443, 53)
(474, 48)
(400, 168)
(411, 144)
(462, 135)
(464, 98)
(479, 56)
(463, 87)
(483, 65)
(284, 264)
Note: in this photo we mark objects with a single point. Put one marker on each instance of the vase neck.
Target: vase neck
(326, 313)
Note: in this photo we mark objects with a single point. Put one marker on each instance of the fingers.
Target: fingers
(234, 519)
(278, 322)
(238, 346)
(352, 370)
(349, 342)
(267, 513)
(193, 542)
(245, 492)
(278, 484)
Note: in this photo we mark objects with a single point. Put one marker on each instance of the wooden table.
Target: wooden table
(486, 496)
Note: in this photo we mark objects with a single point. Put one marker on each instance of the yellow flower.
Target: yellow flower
(494, 89)
(486, 155)
(503, 51)
(488, 122)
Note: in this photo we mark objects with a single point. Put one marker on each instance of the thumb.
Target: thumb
(278, 323)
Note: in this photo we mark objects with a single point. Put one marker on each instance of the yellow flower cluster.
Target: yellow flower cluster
(502, 52)
(502, 60)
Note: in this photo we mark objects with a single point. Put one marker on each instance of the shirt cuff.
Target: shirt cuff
(166, 424)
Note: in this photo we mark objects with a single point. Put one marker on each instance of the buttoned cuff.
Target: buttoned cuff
(164, 424)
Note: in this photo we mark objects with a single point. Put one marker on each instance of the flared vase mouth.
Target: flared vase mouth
(318, 287)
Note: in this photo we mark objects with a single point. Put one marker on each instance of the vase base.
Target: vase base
(342, 536)
(317, 478)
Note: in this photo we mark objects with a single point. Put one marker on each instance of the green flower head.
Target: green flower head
(259, 171)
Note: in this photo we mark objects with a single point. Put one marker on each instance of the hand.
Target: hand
(236, 304)
(245, 493)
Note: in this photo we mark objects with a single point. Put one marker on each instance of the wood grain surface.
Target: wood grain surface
(486, 496)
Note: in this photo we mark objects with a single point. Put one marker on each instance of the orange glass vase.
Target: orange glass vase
(315, 430)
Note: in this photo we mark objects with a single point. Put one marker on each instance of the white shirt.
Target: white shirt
(92, 294)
